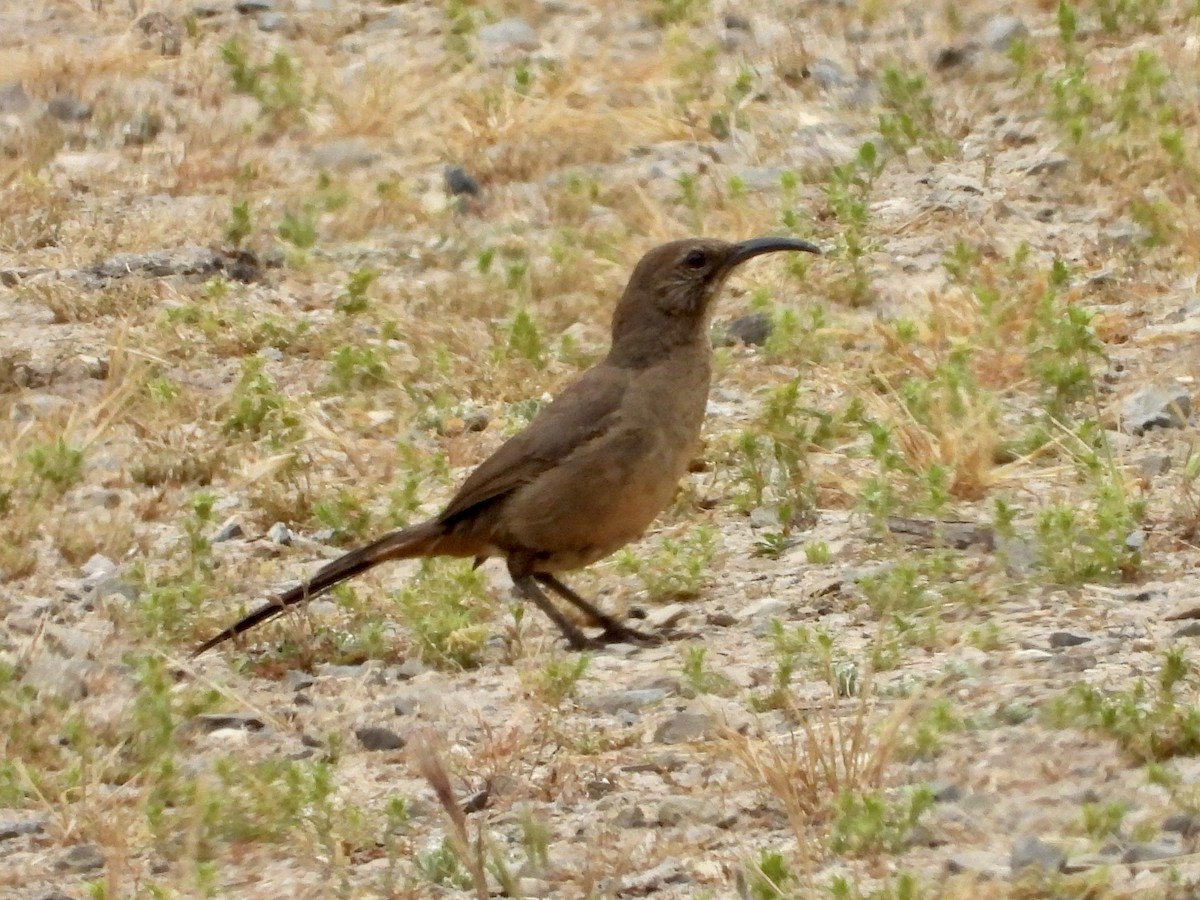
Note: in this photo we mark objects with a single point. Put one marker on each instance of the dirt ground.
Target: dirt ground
(275, 275)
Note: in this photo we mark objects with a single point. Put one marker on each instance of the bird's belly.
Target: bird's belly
(602, 500)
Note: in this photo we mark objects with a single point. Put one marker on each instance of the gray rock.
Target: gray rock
(1150, 851)
(626, 701)
(1000, 31)
(143, 128)
(631, 817)
(230, 529)
(250, 7)
(297, 680)
(280, 534)
(13, 828)
(112, 586)
(515, 33)
(1031, 850)
(209, 722)
(1155, 406)
(460, 182)
(1067, 639)
(685, 727)
(945, 791)
(650, 881)
(1191, 629)
(666, 616)
(376, 737)
(273, 21)
(734, 22)
(763, 609)
(752, 329)
(49, 673)
(342, 154)
(66, 108)
(13, 98)
(81, 858)
(98, 564)
(828, 75)
(1186, 824)
(676, 810)
(976, 862)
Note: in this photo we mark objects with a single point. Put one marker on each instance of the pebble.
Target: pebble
(66, 108)
(97, 564)
(272, 21)
(49, 673)
(81, 858)
(376, 737)
(12, 828)
(1150, 851)
(342, 154)
(1187, 824)
(13, 98)
(280, 534)
(752, 329)
(626, 701)
(1155, 406)
(210, 722)
(297, 680)
(1067, 639)
(685, 727)
(765, 608)
(1031, 850)
(675, 810)
(999, 32)
(250, 7)
(514, 32)
(976, 862)
(230, 529)
(666, 616)
(460, 182)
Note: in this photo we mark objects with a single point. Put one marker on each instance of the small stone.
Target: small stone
(630, 817)
(477, 419)
(765, 608)
(945, 791)
(1033, 851)
(48, 673)
(280, 534)
(376, 737)
(666, 616)
(210, 722)
(626, 701)
(1186, 824)
(272, 21)
(460, 182)
(297, 680)
(513, 32)
(976, 862)
(250, 7)
(676, 810)
(1191, 629)
(13, 828)
(1155, 406)
(734, 22)
(1059, 639)
(827, 75)
(343, 154)
(685, 727)
(752, 329)
(66, 108)
(1150, 851)
(98, 564)
(1032, 654)
(477, 802)
(999, 32)
(952, 57)
(143, 128)
(13, 98)
(231, 529)
(81, 858)
(161, 32)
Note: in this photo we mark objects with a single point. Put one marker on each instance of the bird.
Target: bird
(595, 466)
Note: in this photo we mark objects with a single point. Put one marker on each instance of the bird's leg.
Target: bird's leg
(528, 589)
(615, 631)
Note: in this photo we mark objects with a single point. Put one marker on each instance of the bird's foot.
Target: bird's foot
(616, 633)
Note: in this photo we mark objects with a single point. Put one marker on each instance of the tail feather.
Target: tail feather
(420, 540)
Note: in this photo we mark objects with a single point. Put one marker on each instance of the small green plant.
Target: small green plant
(258, 409)
(558, 680)
(58, 464)
(299, 228)
(770, 877)
(354, 298)
(445, 607)
(440, 866)
(846, 194)
(870, 822)
(1101, 820)
(698, 678)
(1150, 720)
(911, 120)
(239, 226)
(277, 85)
(525, 340)
(678, 569)
(357, 368)
(674, 12)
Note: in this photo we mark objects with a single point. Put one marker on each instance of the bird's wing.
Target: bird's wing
(579, 415)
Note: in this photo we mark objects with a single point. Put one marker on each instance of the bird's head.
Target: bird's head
(671, 290)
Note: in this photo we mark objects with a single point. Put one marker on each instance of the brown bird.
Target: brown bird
(593, 469)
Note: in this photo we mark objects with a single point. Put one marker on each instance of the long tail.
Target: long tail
(420, 540)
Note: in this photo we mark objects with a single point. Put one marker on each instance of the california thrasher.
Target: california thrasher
(593, 469)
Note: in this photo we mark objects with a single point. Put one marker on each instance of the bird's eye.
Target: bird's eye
(696, 259)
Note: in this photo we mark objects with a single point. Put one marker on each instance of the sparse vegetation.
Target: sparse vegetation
(245, 323)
